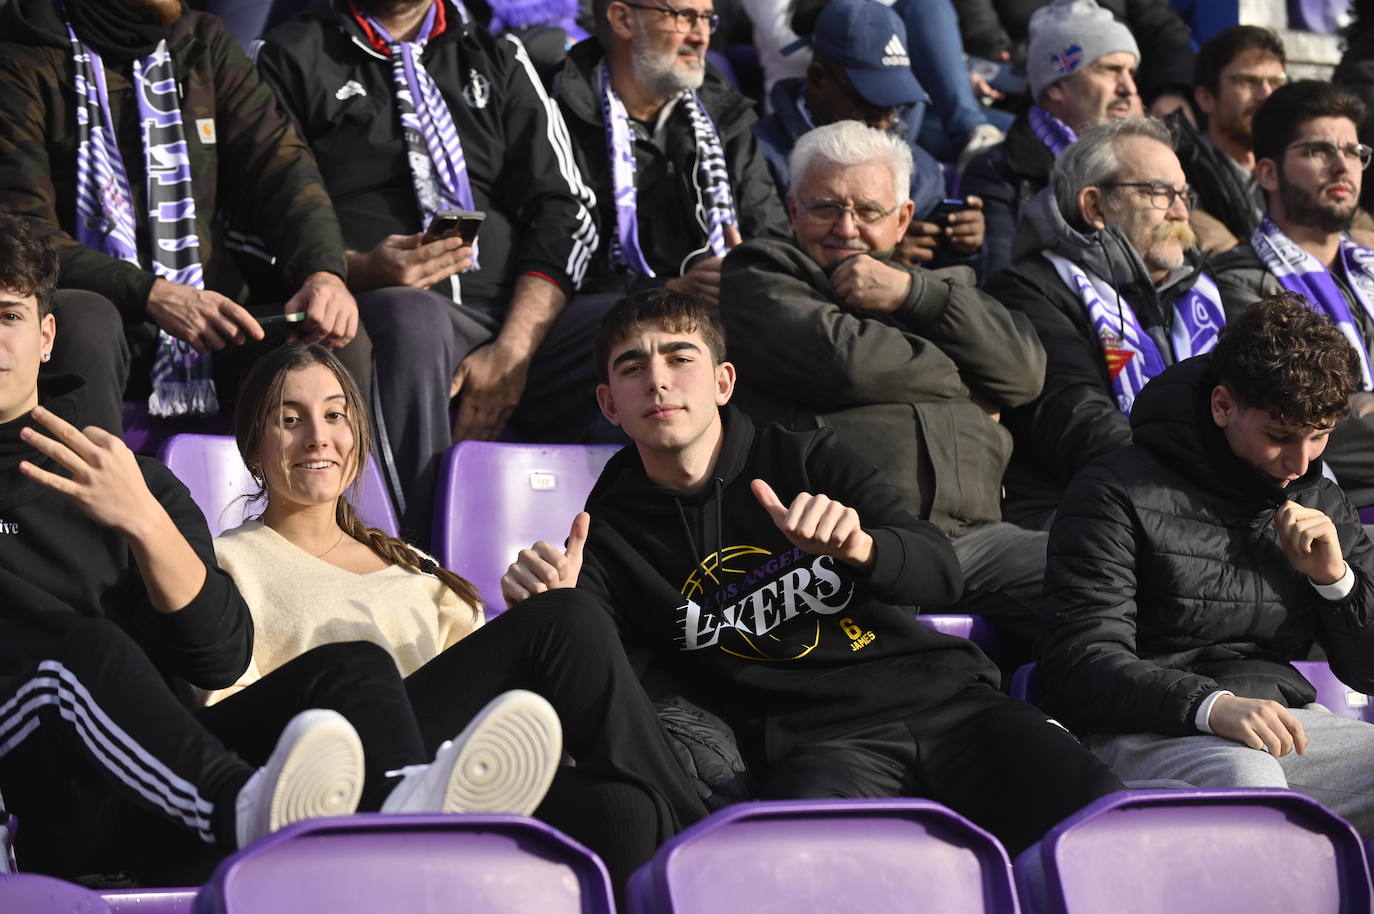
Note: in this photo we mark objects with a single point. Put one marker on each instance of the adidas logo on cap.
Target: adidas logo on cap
(894, 55)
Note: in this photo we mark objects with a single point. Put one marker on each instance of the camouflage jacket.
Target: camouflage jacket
(248, 165)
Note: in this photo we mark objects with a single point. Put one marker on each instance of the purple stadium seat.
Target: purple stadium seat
(1336, 696)
(30, 893)
(150, 901)
(145, 435)
(416, 864)
(1367, 515)
(979, 631)
(796, 857)
(1025, 685)
(210, 466)
(1196, 851)
(496, 498)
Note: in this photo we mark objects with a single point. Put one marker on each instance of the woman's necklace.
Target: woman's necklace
(333, 547)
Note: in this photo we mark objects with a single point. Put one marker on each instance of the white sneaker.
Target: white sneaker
(316, 769)
(503, 761)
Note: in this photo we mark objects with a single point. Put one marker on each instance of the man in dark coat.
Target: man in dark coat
(1081, 68)
(668, 148)
(908, 366)
(1187, 569)
(1236, 70)
(1115, 292)
(149, 223)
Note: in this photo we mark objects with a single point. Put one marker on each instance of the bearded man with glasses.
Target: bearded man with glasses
(667, 146)
(1116, 290)
(908, 366)
(1310, 162)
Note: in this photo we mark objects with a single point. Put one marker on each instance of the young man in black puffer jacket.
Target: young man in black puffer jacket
(1187, 569)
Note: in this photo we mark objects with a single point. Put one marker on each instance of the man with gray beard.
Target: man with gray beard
(653, 123)
(1116, 291)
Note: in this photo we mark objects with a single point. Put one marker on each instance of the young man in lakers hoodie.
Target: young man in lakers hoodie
(775, 574)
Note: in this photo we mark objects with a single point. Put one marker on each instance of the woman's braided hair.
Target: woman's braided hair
(260, 402)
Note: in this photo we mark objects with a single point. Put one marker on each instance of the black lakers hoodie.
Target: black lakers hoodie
(786, 645)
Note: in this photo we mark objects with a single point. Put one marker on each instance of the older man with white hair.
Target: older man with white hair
(909, 366)
(1115, 288)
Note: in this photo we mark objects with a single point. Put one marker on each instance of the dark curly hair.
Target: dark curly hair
(676, 312)
(1283, 114)
(1282, 357)
(28, 265)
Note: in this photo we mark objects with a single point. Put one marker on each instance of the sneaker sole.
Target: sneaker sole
(321, 776)
(507, 757)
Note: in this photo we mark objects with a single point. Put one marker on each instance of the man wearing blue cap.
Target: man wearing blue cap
(860, 70)
(653, 124)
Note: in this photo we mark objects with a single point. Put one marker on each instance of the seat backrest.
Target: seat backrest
(34, 894)
(794, 857)
(419, 864)
(1184, 851)
(150, 901)
(1338, 697)
(496, 498)
(210, 467)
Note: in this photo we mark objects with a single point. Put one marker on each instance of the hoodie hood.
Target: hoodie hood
(33, 22)
(1172, 418)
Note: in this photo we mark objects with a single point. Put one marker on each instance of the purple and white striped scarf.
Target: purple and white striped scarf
(1131, 354)
(437, 166)
(182, 380)
(1050, 130)
(715, 203)
(1300, 272)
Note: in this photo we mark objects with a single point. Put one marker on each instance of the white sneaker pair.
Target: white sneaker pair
(503, 761)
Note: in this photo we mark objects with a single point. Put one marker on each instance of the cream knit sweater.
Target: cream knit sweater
(299, 602)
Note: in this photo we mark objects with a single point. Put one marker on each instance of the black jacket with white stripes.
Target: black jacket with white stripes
(57, 567)
(340, 91)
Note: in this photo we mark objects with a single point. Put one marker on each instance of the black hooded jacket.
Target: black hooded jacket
(672, 233)
(58, 567)
(785, 645)
(1166, 580)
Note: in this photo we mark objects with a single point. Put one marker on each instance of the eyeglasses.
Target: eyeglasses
(828, 212)
(1162, 194)
(1254, 82)
(1323, 152)
(684, 21)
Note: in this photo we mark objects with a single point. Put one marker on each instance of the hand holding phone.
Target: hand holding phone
(295, 317)
(465, 223)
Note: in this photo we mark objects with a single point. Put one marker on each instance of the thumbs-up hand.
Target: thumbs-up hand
(546, 567)
(732, 236)
(818, 524)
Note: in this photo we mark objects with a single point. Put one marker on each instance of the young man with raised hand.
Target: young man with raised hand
(1188, 568)
(774, 574)
(109, 591)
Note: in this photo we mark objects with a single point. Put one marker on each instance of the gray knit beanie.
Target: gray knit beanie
(1068, 34)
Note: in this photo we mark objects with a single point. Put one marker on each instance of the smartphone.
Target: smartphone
(295, 317)
(939, 214)
(465, 223)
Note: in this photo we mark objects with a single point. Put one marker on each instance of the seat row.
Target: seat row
(1158, 851)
